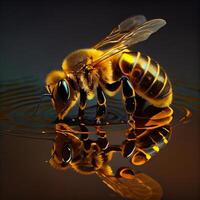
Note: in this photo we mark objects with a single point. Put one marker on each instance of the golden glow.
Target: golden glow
(140, 157)
(106, 169)
(165, 102)
(156, 148)
(148, 156)
(152, 71)
(90, 95)
(138, 160)
(145, 65)
(127, 57)
(164, 139)
(137, 59)
(127, 173)
(111, 93)
(166, 112)
(54, 76)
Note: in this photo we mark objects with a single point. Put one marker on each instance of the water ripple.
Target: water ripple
(20, 97)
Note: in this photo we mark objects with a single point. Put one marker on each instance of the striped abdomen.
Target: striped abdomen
(151, 143)
(149, 80)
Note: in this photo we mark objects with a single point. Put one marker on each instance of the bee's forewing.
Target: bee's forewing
(131, 23)
(143, 32)
(129, 32)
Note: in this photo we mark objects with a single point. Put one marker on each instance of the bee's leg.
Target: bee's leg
(130, 106)
(140, 105)
(85, 137)
(101, 104)
(102, 139)
(82, 105)
(130, 101)
(83, 128)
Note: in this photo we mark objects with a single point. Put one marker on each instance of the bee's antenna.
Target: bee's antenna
(38, 105)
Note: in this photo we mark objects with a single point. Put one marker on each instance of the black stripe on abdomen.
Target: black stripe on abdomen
(155, 140)
(147, 76)
(150, 77)
(165, 91)
(161, 87)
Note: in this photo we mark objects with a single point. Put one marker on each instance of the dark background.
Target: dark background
(36, 35)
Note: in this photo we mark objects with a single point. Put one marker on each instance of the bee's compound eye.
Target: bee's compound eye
(66, 154)
(63, 90)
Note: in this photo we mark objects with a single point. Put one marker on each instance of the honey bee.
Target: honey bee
(108, 66)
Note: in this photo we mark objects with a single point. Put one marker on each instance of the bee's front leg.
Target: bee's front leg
(101, 104)
(82, 105)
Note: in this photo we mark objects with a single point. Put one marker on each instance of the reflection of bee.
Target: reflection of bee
(69, 151)
(108, 65)
(153, 133)
(81, 152)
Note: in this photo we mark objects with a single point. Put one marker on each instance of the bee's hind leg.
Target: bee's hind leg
(82, 105)
(101, 104)
(130, 106)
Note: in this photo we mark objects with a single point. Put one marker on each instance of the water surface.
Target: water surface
(28, 133)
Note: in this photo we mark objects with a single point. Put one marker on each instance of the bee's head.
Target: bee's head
(61, 156)
(64, 91)
(66, 148)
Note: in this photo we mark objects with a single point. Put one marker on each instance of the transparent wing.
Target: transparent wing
(118, 32)
(131, 23)
(128, 33)
(66, 129)
(143, 32)
(135, 29)
(134, 186)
